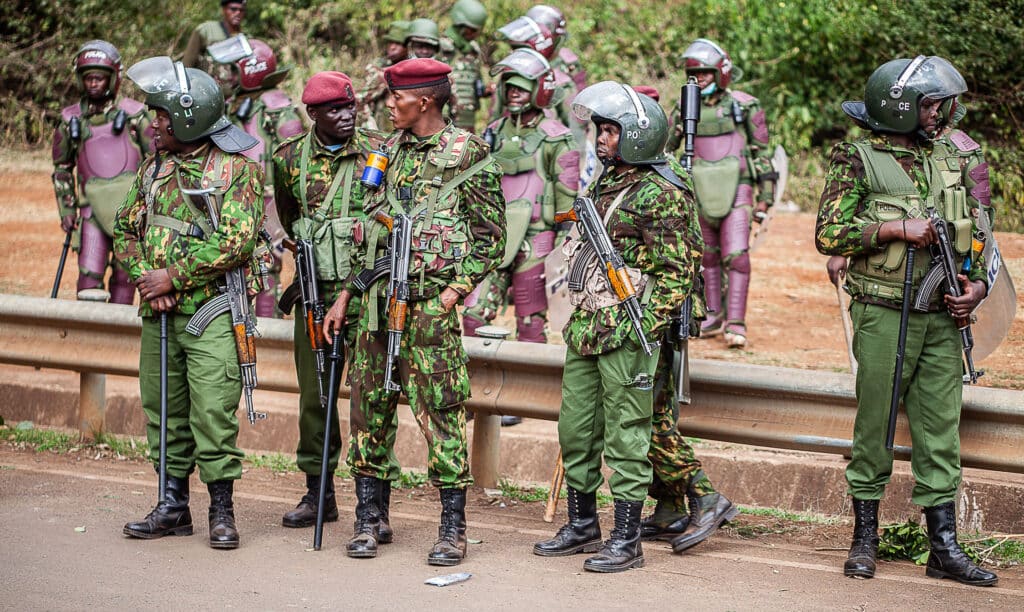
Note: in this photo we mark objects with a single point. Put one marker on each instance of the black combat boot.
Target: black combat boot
(169, 517)
(947, 559)
(622, 550)
(222, 514)
(304, 514)
(861, 561)
(707, 514)
(665, 524)
(582, 534)
(386, 534)
(366, 529)
(450, 548)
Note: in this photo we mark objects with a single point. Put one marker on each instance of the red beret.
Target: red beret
(416, 72)
(647, 90)
(328, 86)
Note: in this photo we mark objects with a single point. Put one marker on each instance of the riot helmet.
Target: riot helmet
(526, 32)
(552, 19)
(259, 69)
(642, 122)
(193, 100)
(423, 30)
(397, 32)
(704, 55)
(529, 70)
(99, 55)
(893, 94)
(469, 13)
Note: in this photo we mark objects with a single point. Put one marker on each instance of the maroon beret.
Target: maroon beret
(329, 86)
(416, 72)
(647, 90)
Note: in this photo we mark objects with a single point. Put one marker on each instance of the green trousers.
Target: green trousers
(203, 389)
(931, 390)
(606, 409)
(431, 369)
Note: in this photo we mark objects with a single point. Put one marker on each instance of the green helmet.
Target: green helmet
(397, 32)
(193, 100)
(642, 122)
(468, 13)
(423, 30)
(892, 97)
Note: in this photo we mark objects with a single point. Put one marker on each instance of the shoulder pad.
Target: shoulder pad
(963, 142)
(71, 111)
(553, 128)
(742, 97)
(665, 172)
(568, 56)
(130, 106)
(289, 142)
(275, 99)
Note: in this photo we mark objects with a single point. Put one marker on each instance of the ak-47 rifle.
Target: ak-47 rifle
(306, 287)
(943, 273)
(592, 229)
(399, 250)
(234, 298)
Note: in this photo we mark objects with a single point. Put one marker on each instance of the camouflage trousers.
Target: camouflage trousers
(674, 462)
(431, 369)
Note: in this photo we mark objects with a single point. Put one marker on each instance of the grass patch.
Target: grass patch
(60, 442)
(784, 515)
(40, 440)
(512, 490)
(275, 462)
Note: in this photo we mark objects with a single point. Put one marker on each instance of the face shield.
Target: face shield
(230, 50)
(704, 51)
(526, 31)
(932, 77)
(525, 62)
(610, 101)
(156, 74)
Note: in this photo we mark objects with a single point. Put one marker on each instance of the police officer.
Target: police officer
(607, 388)
(98, 147)
(732, 159)
(320, 199)
(444, 179)
(267, 113)
(460, 50)
(208, 32)
(565, 59)
(168, 243)
(540, 163)
(873, 210)
(372, 111)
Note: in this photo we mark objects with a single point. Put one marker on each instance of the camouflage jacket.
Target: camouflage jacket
(372, 96)
(653, 230)
(195, 264)
(465, 236)
(67, 152)
(271, 118)
(841, 229)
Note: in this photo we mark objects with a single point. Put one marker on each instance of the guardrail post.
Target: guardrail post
(486, 449)
(92, 405)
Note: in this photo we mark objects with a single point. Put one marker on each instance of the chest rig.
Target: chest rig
(894, 196)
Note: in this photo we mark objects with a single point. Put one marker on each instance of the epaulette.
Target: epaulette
(275, 99)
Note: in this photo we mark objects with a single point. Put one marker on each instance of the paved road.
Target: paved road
(45, 564)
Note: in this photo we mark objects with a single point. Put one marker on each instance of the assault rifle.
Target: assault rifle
(234, 297)
(306, 288)
(943, 273)
(592, 229)
(399, 249)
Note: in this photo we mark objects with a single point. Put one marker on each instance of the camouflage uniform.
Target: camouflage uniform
(370, 100)
(607, 387)
(730, 159)
(847, 226)
(152, 232)
(541, 173)
(271, 118)
(345, 212)
(463, 242)
(105, 162)
(467, 62)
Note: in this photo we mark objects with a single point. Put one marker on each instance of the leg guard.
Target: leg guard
(94, 254)
(531, 302)
(712, 263)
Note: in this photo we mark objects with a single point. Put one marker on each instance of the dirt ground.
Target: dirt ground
(793, 314)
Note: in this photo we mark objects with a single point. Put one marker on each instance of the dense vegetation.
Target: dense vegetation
(801, 57)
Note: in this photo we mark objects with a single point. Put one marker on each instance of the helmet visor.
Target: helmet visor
(937, 79)
(612, 101)
(705, 52)
(524, 62)
(230, 50)
(156, 74)
(521, 30)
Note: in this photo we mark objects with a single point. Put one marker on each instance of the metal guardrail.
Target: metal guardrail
(764, 406)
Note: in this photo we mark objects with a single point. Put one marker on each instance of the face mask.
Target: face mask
(710, 89)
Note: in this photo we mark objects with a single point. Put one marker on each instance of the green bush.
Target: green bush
(800, 57)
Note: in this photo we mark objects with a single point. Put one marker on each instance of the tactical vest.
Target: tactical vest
(894, 196)
(720, 158)
(465, 62)
(334, 232)
(106, 161)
